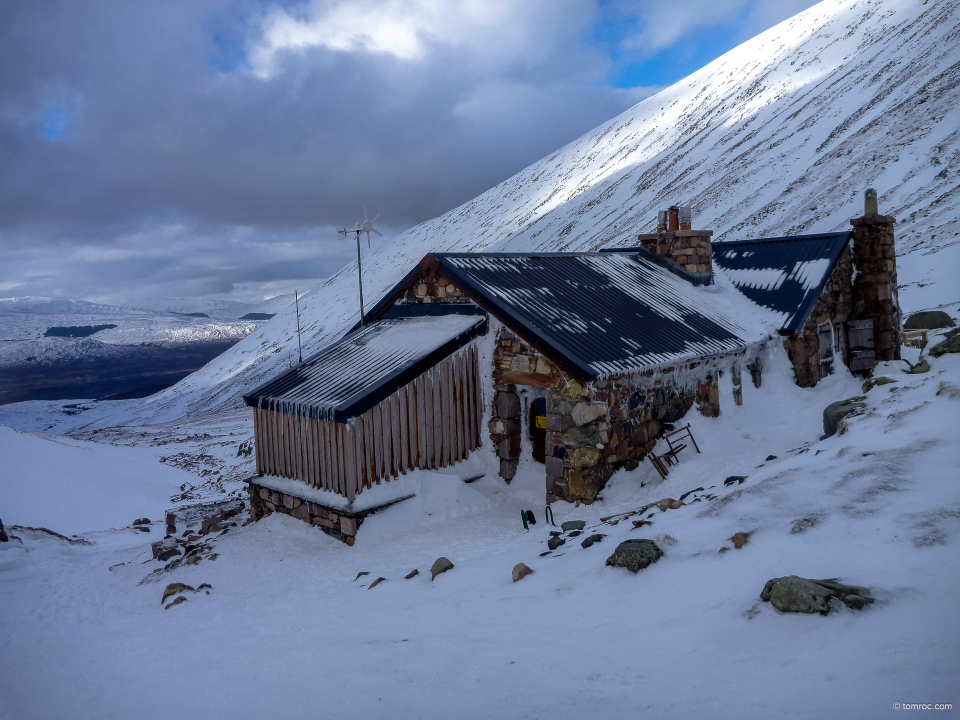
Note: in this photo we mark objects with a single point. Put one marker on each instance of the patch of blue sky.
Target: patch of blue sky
(632, 67)
(55, 121)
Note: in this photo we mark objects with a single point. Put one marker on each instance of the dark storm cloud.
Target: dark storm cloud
(173, 147)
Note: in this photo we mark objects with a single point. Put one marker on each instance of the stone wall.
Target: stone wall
(264, 501)
(514, 363)
(835, 304)
(875, 287)
(594, 431)
(432, 286)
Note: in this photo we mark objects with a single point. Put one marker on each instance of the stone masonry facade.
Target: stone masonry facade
(264, 501)
(835, 304)
(875, 286)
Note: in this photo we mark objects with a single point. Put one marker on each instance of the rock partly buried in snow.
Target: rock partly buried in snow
(376, 582)
(740, 539)
(595, 538)
(411, 574)
(921, 367)
(671, 504)
(870, 383)
(555, 541)
(950, 344)
(929, 320)
(572, 525)
(3, 533)
(797, 594)
(635, 555)
(734, 479)
(520, 571)
(441, 565)
(835, 412)
(177, 601)
(173, 589)
(142, 521)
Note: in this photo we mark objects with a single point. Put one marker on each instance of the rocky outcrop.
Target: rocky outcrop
(796, 594)
(440, 565)
(835, 412)
(635, 555)
(520, 571)
(929, 320)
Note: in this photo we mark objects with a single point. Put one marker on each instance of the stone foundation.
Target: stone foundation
(343, 526)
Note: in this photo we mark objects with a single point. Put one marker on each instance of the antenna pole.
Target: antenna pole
(296, 299)
(360, 277)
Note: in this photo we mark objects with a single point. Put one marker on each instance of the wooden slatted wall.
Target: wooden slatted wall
(430, 423)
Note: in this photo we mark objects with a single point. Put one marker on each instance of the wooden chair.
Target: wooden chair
(674, 441)
(657, 462)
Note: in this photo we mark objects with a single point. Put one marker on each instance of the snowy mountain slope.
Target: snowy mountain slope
(687, 637)
(780, 135)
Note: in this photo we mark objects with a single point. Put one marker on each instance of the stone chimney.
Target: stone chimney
(875, 285)
(676, 242)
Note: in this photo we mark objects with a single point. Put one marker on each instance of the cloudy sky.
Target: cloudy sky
(209, 148)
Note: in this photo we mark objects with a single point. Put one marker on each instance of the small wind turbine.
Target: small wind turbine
(365, 227)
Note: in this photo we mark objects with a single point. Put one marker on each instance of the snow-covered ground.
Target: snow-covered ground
(287, 629)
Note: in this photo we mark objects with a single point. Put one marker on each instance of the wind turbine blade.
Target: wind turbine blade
(374, 218)
(377, 232)
(364, 212)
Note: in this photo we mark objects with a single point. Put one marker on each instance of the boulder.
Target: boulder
(595, 538)
(921, 367)
(572, 525)
(929, 320)
(141, 521)
(554, 542)
(173, 589)
(797, 594)
(670, 504)
(520, 571)
(734, 479)
(179, 599)
(835, 412)
(635, 555)
(870, 383)
(440, 565)
(949, 344)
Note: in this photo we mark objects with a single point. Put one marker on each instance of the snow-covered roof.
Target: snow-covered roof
(599, 314)
(349, 377)
(784, 274)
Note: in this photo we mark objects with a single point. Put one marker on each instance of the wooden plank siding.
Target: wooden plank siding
(432, 422)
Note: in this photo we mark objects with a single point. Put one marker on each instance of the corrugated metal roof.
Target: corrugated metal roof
(358, 371)
(605, 313)
(785, 274)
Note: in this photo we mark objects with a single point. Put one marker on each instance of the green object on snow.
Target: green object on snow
(523, 516)
(548, 515)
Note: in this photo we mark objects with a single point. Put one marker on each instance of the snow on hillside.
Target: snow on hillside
(73, 486)
(781, 135)
(288, 626)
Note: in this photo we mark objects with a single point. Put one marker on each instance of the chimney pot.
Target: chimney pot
(686, 218)
(661, 221)
(673, 222)
(870, 207)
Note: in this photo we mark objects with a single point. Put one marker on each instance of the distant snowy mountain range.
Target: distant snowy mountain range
(26, 324)
(779, 136)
